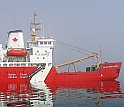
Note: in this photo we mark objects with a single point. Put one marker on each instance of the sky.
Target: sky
(86, 24)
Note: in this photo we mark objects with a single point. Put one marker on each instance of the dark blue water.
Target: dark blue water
(87, 94)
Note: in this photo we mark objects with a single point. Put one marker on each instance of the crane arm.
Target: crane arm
(78, 60)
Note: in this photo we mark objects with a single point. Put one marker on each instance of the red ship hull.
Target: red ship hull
(16, 74)
(107, 71)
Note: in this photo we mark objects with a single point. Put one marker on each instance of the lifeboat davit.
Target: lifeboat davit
(14, 52)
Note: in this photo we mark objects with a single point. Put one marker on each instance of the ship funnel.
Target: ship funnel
(15, 39)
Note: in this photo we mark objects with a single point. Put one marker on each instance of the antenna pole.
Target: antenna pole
(49, 28)
(100, 53)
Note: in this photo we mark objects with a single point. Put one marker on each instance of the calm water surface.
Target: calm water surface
(85, 94)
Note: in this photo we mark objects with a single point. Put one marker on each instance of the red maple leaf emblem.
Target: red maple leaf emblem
(15, 40)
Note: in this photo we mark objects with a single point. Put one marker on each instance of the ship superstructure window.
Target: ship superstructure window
(49, 43)
(45, 43)
(41, 43)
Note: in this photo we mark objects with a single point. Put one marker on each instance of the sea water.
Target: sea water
(85, 94)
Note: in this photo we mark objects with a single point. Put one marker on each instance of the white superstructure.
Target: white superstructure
(40, 50)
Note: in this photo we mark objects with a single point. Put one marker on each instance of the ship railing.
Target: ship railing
(19, 64)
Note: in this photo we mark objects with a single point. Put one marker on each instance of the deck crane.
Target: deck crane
(79, 60)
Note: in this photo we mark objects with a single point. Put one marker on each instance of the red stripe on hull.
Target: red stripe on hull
(107, 71)
(15, 74)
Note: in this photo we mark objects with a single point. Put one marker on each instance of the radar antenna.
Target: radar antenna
(34, 26)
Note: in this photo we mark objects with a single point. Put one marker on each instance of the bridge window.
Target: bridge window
(49, 43)
(45, 43)
(41, 43)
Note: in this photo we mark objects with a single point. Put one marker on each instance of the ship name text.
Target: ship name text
(114, 66)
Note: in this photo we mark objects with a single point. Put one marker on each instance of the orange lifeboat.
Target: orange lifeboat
(14, 52)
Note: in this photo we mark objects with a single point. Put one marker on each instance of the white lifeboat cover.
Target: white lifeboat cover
(15, 39)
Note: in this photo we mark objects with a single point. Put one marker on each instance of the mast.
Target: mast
(100, 53)
(34, 26)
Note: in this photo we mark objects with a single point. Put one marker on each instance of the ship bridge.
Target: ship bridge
(39, 48)
(41, 42)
